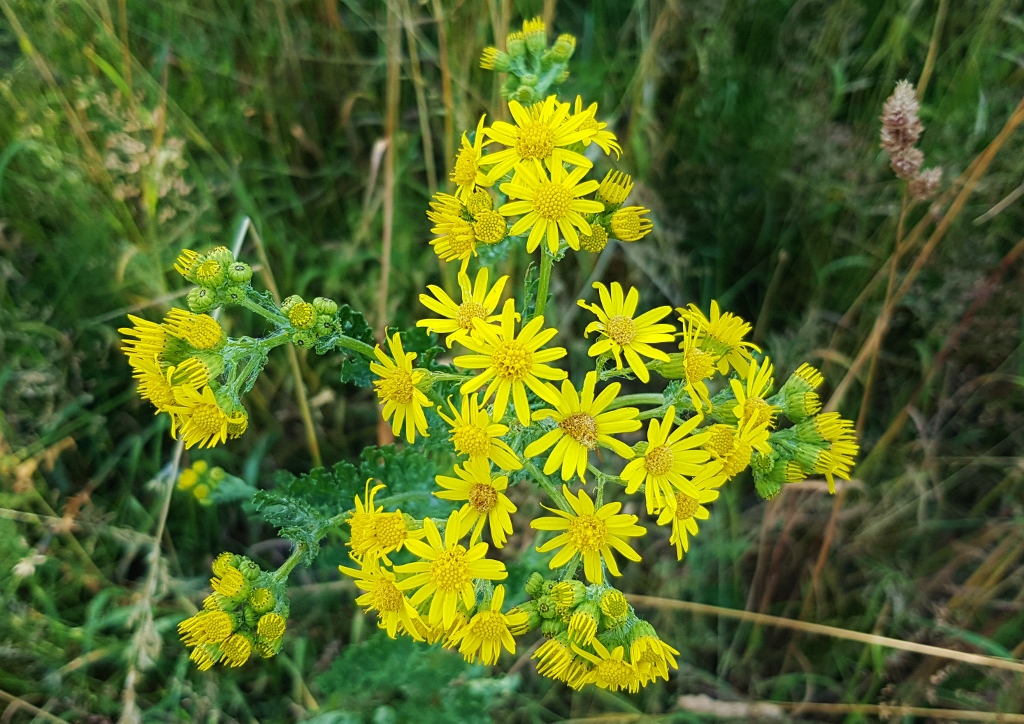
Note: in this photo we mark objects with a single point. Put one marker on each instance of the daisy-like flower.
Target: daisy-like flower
(456, 238)
(610, 669)
(150, 338)
(474, 434)
(582, 426)
(751, 403)
(590, 533)
(551, 207)
(651, 656)
(467, 174)
(485, 498)
(670, 459)
(630, 224)
(733, 445)
(397, 389)
(684, 510)
(614, 188)
(157, 384)
(203, 421)
(360, 522)
(541, 132)
(199, 330)
(723, 334)
(604, 139)
(383, 596)
(445, 573)
(698, 364)
(387, 533)
(478, 302)
(623, 335)
(488, 632)
(511, 362)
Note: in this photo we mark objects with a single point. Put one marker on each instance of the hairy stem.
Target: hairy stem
(281, 574)
(547, 261)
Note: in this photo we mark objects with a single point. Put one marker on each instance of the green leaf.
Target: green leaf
(409, 470)
(356, 368)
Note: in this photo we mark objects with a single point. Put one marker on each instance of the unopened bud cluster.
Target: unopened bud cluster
(532, 67)
(901, 130)
(245, 614)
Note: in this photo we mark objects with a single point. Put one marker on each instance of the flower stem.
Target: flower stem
(643, 398)
(281, 574)
(544, 482)
(546, 262)
(355, 345)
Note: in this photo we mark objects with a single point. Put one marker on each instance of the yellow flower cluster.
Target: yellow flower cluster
(245, 614)
(201, 480)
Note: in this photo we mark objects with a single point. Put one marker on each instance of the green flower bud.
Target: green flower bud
(323, 305)
(563, 48)
(304, 339)
(529, 79)
(233, 293)
(325, 325)
(515, 45)
(289, 302)
(201, 300)
(799, 406)
(222, 255)
(210, 273)
(546, 607)
(267, 649)
(262, 600)
(562, 77)
(525, 94)
(239, 272)
(249, 570)
(250, 615)
(534, 583)
(494, 59)
(552, 627)
(216, 475)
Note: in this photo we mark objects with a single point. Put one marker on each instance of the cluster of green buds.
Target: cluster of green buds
(625, 223)
(313, 321)
(246, 613)
(593, 636)
(220, 278)
(532, 67)
(201, 480)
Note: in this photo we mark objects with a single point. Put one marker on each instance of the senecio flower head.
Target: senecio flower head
(474, 434)
(383, 596)
(552, 206)
(589, 532)
(397, 387)
(478, 302)
(488, 631)
(684, 510)
(467, 174)
(721, 334)
(626, 336)
(511, 363)
(582, 425)
(485, 498)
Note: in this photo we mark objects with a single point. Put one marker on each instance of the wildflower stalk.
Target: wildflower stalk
(547, 261)
(281, 574)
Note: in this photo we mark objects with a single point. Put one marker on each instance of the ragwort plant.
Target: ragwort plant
(501, 413)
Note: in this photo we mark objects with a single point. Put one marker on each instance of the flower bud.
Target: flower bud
(529, 79)
(325, 325)
(546, 607)
(525, 94)
(290, 302)
(552, 627)
(630, 224)
(302, 315)
(583, 624)
(210, 273)
(536, 35)
(239, 272)
(250, 615)
(533, 584)
(515, 44)
(569, 593)
(562, 76)
(563, 48)
(222, 255)
(323, 305)
(249, 570)
(233, 294)
(201, 300)
(187, 263)
(494, 59)
(225, 560)
(303, 339)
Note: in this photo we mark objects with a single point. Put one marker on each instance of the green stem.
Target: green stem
(355, 345)
(547, 261)
(643, 398)
(278, 319)
(293, 560)
(544, 482)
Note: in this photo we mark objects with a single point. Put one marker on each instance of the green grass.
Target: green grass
(751, 129)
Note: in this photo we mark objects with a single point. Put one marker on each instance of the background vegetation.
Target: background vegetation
(129, 130)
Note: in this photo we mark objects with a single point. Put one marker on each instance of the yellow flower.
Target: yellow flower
(554, 658)
(487, 632)
(187, 264)
(150, 338)
(383, 595)
(604, 139)
(157, 384)
(511, 363)
(733, 446)
(360, 522)
(610, 670)
(723, 336)
(206, 627)
(615, 188)
(591, 533)
(750, 400)
(474, 435)
(630, 224)
(397, 389)
(387, 533)
(541, 132)
(551, 207)
(582, 426)
(236, 650)
(698, 364)
(485, 499)
(467, 174)
(622, 334)
(199, 330)
(668, 458)
(447, 569)
(683, 510)
(203, 421)
(651, 656)
(456, 238)
(478, 302)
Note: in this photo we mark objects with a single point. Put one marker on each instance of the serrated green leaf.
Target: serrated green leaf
(356, 368)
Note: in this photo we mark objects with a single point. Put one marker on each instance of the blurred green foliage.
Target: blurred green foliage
(753, 128)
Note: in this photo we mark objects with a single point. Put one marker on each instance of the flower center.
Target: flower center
(582, 428)
(738, 461)
(588, 533)
(236, 650)
(552, 201)
(483, 498)
(479, 201)
(390, 530)
(155, 387)
(450, 570)
(461, 238)
(613, 604)
(721, 441)
(230, 584)
(218, 626)
(686, 506)
(490, 227)
(302, 315)
(626, 224)
(699, 365)
(616, 672)
(471, 440)
(464, 173)
(386, 596)
(270, 626)
(489, 626)
(396, 387)
(207, 419)
(535, 140)
(622, 330)
(238, 425)
(361, 525)
(596, 241)
(204, 332)
(468, 311)
(757, 410)
(659, 460)
(208, 271)
(512, 361)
